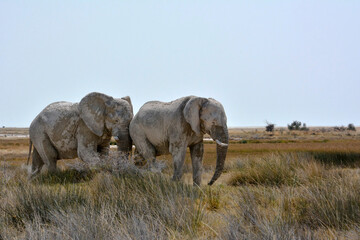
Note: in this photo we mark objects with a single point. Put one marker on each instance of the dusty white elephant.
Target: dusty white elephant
(161, 128)
(66, 130)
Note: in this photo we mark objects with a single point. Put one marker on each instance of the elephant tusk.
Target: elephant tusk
(116, 138)
(221, 144)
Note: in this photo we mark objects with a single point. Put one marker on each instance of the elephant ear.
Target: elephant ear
(92, 111)
(127, 98)
(192, 113)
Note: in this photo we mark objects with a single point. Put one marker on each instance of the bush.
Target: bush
(351, 127)
(296, 125)
(270, 127)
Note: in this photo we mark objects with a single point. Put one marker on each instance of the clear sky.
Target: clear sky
(263, 60)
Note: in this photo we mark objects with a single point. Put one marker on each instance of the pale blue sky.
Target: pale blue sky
(264, 60)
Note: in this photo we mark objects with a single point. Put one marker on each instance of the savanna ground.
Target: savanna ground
(281, 185)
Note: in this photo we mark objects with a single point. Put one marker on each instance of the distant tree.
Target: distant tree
(351, 127)
(304, 128)
(3, 126)
(269, 126)
(295, 125)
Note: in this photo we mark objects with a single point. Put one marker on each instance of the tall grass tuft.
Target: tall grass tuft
(25, 201)
(333, 202)
(251, 220)
(213, 198)
(271, 170)
(348, 159)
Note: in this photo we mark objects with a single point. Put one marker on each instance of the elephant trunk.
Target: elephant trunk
(124, 143)
(221, 137)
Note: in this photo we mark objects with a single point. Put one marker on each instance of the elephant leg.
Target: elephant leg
(48, 153)
(37, 164)
(138, 159)
(88, 153)
(197, 152)
(147, 151)
(178, 154)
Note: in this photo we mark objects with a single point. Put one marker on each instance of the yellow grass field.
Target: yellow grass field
(280, 185)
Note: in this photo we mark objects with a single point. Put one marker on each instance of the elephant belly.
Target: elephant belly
(68, 155)
(162, 149)
(159, 142)
(66, 149)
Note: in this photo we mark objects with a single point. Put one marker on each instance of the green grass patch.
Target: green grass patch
(348, 159)
(274, 170)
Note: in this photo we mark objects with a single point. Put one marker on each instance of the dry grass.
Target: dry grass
(99, 205)
(253, 141)
(302, 187)
(12, 131)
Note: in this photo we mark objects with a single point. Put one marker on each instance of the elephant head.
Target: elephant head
(206, 115)
(103, 114)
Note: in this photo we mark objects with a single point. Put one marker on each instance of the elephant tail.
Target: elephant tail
(30, 148)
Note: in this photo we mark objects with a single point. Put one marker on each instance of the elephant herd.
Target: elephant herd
(66, 130)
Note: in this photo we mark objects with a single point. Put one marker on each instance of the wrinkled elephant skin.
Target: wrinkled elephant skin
(66, 130)
(161, 128)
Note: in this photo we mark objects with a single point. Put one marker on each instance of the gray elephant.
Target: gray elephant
(66, 130)
(161, 128)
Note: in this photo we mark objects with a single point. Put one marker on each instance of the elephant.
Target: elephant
(161, 128)
(66, 130)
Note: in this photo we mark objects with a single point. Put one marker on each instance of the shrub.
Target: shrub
(270, 127)
(295, 125)
(351, 127)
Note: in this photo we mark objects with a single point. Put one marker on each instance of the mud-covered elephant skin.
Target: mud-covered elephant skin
(161, 128)
(66, 130)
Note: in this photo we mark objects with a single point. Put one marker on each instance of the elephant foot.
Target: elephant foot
(33, 175)
(176, 178)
